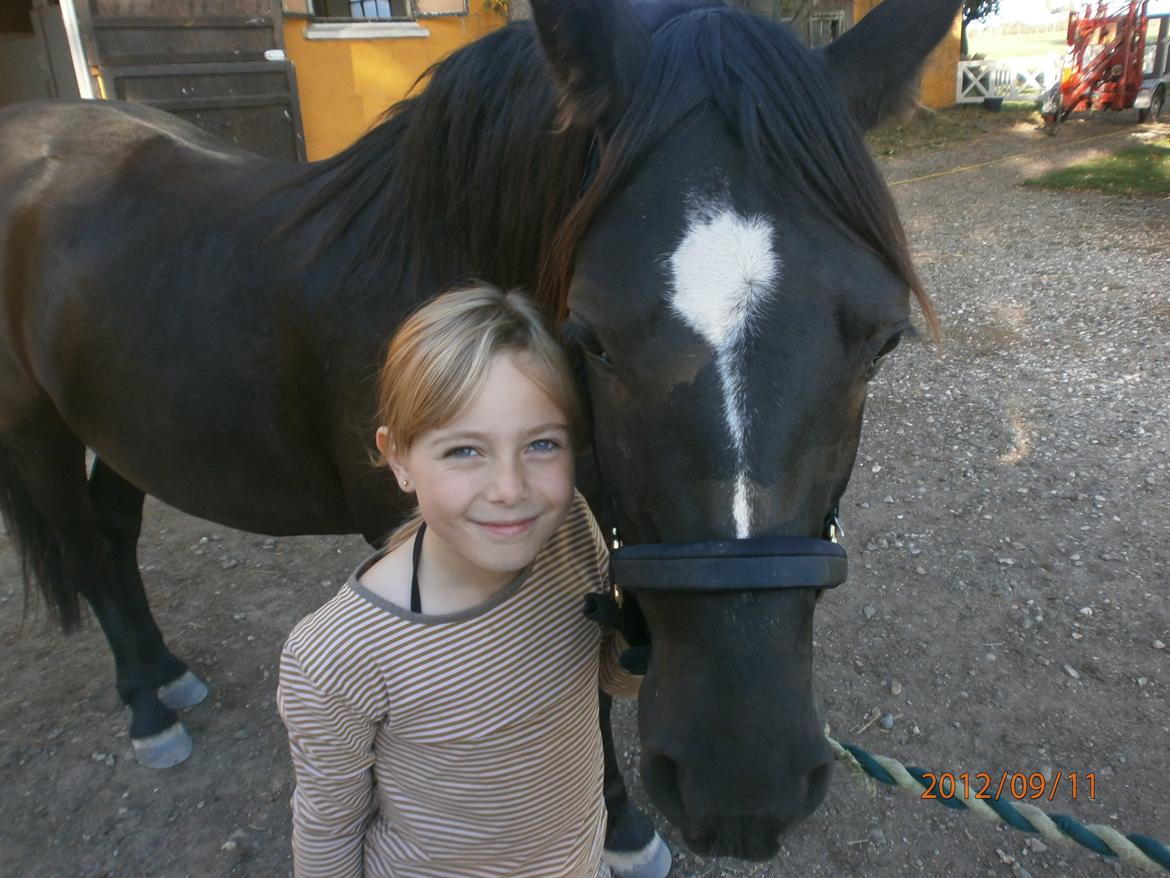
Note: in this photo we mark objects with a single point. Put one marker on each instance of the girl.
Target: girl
(442, 708)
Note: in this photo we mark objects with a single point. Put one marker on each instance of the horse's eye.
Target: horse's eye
(892, 342)
(600, 356)
(586, 341)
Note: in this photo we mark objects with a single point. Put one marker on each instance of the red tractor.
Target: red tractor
(1109, 65)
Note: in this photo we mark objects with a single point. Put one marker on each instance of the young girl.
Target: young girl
(442, 708)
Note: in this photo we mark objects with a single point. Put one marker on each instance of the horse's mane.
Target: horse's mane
(780, 100)
(475, 176)
(469, 178)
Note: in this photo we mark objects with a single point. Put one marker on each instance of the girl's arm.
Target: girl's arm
(331, 743)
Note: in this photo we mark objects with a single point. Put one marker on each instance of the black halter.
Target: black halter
(713, 566)
(731, 565)
(751, 564)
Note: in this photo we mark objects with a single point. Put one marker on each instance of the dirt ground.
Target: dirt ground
(1008, 526)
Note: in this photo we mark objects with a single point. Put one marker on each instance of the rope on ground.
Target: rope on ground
(1003, 158)
(1136, 850)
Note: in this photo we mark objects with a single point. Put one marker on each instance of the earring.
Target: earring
(405, 483)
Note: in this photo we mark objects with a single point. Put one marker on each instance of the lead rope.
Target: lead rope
(1136, 850)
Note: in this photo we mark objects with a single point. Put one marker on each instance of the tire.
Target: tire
(1154, 112)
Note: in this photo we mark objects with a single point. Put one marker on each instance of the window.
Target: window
(384, 10)
(823, 28)
(377, 9)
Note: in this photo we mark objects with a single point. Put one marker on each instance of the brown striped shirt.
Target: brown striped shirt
(455, 746)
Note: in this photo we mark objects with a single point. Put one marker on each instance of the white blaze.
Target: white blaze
(722, 274)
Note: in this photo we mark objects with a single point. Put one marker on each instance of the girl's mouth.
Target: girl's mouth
(508, 528)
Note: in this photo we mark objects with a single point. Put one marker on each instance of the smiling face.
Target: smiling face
(496, 481)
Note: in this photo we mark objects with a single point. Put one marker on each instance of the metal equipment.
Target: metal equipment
(1114, 62)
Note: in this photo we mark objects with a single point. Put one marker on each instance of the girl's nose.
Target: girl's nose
(509, 485)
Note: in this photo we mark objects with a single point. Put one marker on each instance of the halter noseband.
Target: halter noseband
(713, 566)
(762, 563)
(731, 565)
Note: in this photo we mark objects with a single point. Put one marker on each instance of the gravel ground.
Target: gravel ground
(1007, 524)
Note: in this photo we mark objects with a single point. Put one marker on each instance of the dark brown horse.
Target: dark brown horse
(729, 265)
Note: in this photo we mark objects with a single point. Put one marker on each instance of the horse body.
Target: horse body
(729, 273)
(272, 452)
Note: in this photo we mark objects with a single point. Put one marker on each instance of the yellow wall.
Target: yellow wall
(345, 85)
(938, 74)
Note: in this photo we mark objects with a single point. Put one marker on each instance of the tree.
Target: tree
(975, 10)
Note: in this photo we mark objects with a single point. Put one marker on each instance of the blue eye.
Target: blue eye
(544, 446)
(463, 451)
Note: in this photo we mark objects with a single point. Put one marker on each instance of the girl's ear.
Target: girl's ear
(382, 440)
(390, 454)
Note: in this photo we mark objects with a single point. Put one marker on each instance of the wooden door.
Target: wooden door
(219, 64)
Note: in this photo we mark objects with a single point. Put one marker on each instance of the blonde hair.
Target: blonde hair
(439, 358)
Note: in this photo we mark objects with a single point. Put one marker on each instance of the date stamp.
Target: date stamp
(1018, 785)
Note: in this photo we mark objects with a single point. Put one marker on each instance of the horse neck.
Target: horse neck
(460, 182)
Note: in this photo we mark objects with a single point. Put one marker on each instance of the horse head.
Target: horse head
(731, 279)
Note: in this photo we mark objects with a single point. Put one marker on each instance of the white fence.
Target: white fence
(1013, 79)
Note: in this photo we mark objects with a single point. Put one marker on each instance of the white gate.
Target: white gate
(1013, 79)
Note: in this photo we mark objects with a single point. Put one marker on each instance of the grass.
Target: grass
(933, 128)
(996, 46)
(1137, 170)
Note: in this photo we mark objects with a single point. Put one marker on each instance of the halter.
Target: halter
(709, 567)
(761, 564)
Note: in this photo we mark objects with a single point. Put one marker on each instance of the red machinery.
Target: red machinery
(1104, 68)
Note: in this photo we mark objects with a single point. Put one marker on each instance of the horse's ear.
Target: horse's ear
(876, 62)
(596, 49)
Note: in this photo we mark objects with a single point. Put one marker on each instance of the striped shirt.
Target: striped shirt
(457, 746)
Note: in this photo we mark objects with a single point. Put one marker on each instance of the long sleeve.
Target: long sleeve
(612, 678)
(331, 743)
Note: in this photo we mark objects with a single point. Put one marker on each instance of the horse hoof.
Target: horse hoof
(651, 861)
(165, 750)
(186, 691)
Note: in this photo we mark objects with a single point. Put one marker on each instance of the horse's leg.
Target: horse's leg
(118, 505)
(50, 513)
(633, 848)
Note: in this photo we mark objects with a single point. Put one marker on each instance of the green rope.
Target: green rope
(1136, 850)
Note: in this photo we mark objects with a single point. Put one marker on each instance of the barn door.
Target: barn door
(219, 64)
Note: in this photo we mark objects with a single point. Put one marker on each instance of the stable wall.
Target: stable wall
(346, 84)
(22, 77)
(938, 74)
